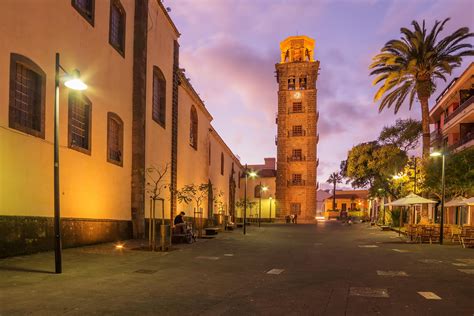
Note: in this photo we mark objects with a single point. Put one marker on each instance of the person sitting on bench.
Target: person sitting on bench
(179, 223)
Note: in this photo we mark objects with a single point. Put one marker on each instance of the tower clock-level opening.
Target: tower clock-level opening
(297, 139)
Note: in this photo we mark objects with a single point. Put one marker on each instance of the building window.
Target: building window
(297, 130)
(257, 191)
(27, 94)
(159, 97)
(297, 154)
(291, 83)
(303, 83)
(297, 107)
(79, 133)
(296, 179)
(238, 183)
(295, 208)
(209, 153)
(114, 139)
(222, 163)
(193, 129)
(117, 26)
(85, 8)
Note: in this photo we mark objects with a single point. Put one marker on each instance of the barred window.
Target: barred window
(296, 178)
(79, 135)
(85, 8)
(193, 129)
(238, 183)
(297, 154)
(114, 139)
(297, 107)
(257, 191)
(297, 130)
(117, 26)
(159, 97)
(27, 93)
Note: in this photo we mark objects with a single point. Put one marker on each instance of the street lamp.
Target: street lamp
(270, 200)
(251, 174)
(443, 155)
(262, 189)
(71, 81)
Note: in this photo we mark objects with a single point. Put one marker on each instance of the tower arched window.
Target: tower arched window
(193, 128)
(159, 97)
(291, 83)
(257, 191)
(303, 83)
(27, 96)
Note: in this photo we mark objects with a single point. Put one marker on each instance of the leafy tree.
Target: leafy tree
(404, 134)
(409, 66)
(334, 179)
(373, 165)
(459, 174)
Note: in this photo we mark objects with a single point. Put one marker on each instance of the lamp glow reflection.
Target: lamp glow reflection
(75, 84)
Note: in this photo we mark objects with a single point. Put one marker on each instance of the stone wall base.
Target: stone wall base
(21, 235)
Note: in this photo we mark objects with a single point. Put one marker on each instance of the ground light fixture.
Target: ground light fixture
(72, 81)
(441, 226)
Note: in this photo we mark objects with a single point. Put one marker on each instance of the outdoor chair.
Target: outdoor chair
(456, 234)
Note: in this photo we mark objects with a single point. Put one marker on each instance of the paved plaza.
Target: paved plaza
(324, 269)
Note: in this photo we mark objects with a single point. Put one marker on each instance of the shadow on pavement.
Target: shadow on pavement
(7, 268)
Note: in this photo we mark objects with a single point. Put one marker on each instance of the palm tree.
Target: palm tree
(409, 66)
(334, 178)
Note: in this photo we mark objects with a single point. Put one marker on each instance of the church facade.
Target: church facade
(297, 138)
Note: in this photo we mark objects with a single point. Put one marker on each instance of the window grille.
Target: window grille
(117, 26)
(193, 129)
(85, 8)
(159, 97)
(79, 122)
(114, 139)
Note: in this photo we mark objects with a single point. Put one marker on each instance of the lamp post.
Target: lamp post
(251, 174)
(262, 189)
(72, 82)
(441, 226)
(270, 200)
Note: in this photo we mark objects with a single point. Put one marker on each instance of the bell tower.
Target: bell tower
(297, 137)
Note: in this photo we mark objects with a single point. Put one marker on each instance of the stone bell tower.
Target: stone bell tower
(297, 137)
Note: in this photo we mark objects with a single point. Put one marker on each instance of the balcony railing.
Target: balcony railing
(292, 111)
(296, 158)
(296, 183)
(276, 140)
(296, 133)
(461, 141)
(459, 109)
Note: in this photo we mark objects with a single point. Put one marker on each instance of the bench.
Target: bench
(211, 231)
(229, 226)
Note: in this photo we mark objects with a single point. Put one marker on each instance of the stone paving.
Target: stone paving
(324, 269)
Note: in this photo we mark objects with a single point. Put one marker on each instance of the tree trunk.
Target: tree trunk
(425, 123)
(334, 198)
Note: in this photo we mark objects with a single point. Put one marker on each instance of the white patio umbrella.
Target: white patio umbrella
(410, 200)
(458, 201)
(469, 201)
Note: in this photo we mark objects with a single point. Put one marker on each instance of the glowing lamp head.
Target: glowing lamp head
(74, 82)
(264, 188)
(119, 246)
(435, 154)
(252, 174)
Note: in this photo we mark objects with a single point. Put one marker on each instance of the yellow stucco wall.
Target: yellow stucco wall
(90, 186)
(266, 201)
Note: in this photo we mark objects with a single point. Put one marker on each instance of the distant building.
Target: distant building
(266, 178)
(356, 201)
(321, 196)
(453, 114)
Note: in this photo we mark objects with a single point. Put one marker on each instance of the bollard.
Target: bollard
(163, 236)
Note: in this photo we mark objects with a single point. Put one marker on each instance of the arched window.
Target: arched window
(117, 26)
(159, 97)
(222, 163)
(27, 93)
(114, 139)
(193, 128)
(80, 121)
(257, 191)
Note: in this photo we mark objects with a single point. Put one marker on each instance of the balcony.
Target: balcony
(464, 140)
(296, 133)
(296, 183)
(294, 111)
(461, 108)
(276, 140)
(296, 158)
(435, 136)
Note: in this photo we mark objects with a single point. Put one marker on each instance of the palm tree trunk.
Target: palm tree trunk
(334, 197)
(425, 124)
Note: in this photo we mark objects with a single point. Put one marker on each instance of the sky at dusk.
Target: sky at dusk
(229, 49)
